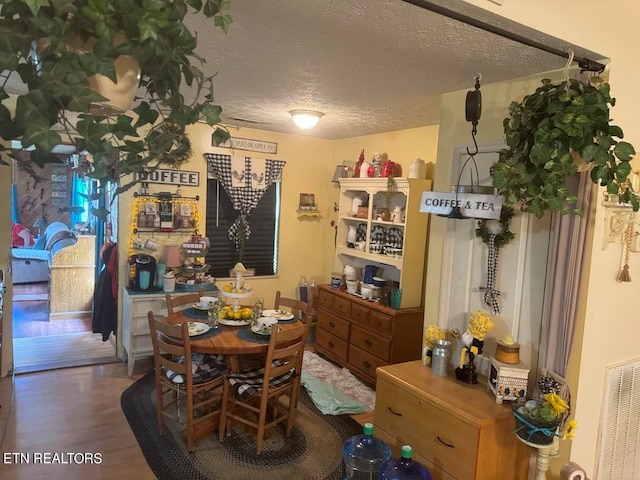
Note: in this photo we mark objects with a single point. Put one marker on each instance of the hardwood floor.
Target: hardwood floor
(74, 410)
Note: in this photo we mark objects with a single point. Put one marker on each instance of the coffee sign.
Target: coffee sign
(472, 205)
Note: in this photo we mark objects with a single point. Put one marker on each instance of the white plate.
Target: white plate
(197, 306)
(233, 323)
(198, 328)
(255, 329)
(279, 314)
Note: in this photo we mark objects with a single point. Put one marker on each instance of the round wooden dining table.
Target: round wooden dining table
(227, 342)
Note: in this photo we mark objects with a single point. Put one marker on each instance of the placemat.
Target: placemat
(212, 332)
(245, 333)
(194, 313)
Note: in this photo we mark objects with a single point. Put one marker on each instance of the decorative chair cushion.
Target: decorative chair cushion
(205, 368)
(247, 383)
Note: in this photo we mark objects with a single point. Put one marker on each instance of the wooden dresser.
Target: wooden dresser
(456, 430)
(362, 335)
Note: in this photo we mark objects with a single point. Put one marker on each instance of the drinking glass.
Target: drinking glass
(258, 307)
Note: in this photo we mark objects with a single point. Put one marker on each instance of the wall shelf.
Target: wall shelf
(308, 213)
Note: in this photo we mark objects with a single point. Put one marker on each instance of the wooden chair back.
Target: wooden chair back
(302, 310)
(179, 302)
(284, 360)
(166, 353)
(286, 351)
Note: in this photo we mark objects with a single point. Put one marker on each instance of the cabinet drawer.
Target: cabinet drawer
(364, 362)
(342, 307)
(142, 306)
(325, 300)
(439, 437)
(360, 314)
(436, 471)
(334, 324)
(332, 344)
(380, 323)
(370, 342)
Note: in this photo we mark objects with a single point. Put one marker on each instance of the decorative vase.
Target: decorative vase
(351, 235)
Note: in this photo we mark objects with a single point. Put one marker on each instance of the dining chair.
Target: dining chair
(246, 396)
(302, 310)
(180, 373)
(179, 302)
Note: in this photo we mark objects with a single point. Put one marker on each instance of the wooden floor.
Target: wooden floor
(74, 410)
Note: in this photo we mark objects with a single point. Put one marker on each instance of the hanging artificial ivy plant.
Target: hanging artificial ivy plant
(546, 132)
(51, 52)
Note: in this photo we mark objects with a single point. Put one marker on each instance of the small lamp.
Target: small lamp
(171, 256)
(306, 119)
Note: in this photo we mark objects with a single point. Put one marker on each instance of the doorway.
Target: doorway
(55, 271)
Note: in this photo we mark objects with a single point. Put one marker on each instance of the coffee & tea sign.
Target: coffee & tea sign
(472, 205)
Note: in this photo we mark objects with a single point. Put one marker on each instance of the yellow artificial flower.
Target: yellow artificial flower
(556, 403)
(569, 429)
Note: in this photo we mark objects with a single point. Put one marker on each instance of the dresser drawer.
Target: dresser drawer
(342, 307)
(359, 314)
(436, 435)
(364, 361)
(332, 344)
(436, 471)
(381, 323)
(325, 300)
(334, 324)
(370, 342)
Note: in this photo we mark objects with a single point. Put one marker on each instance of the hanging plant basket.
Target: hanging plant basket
(546, 131)
(533, 430)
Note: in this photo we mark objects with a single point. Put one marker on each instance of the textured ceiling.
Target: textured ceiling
(369, 65)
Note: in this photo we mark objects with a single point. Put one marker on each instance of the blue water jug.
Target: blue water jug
(363, 455)
(404, 468)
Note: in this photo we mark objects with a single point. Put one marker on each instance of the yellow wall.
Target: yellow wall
(610, 325)
(308, 169)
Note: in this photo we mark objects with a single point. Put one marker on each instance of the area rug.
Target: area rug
(313, 452)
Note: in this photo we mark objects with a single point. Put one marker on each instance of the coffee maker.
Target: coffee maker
(142, 271)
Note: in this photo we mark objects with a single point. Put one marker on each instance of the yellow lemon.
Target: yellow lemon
(246, 313)
(221, 314)
(227, 288)
(237, 315)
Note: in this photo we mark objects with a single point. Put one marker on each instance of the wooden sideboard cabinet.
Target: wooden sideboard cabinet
(457, 431)
(363, 335)
(136, 339)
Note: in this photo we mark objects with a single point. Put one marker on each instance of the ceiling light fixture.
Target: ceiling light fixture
(306, 119)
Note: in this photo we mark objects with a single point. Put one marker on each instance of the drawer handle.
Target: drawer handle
(332, 325)
(331, 344)
(445, 443)
(397, 414)
(368, 342)
(366, 364)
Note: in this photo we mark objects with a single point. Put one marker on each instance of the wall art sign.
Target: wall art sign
(171, 177)
(248, 144)
(472, 205)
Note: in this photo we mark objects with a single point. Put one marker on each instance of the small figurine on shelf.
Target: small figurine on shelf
(431, 334)
(356, 172)
(480, 324)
